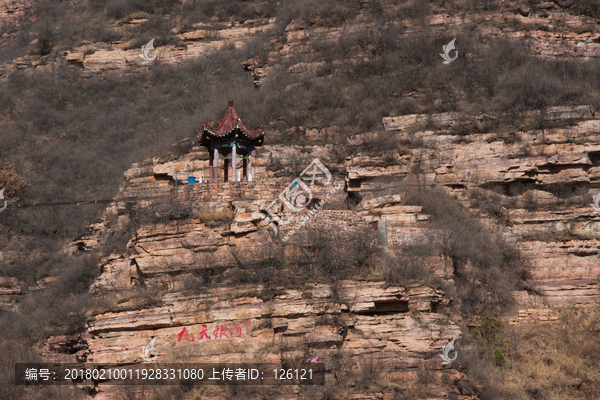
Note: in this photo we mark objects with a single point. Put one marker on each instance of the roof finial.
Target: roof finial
(231, 103)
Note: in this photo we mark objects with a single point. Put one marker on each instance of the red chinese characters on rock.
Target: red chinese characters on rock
(221, 331)
(203, 334)
(184, 332)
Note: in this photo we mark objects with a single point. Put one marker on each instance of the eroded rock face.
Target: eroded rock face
(197, 43)
(402, 325)
(290, 314)
(548, 32)
(151, 297)
(531, 162)
(532, 170)
(238, 326)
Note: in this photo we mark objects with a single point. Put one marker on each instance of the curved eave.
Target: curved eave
(252, 135)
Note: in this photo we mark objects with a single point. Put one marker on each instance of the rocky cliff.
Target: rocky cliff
(540, 185)
(549, 31)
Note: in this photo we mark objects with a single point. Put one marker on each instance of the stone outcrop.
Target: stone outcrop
(533, 315)
(553, 34)
(150, 287)
(554, 168)
(11, 10)
(150, 295)
(183, 230)
(241, 327)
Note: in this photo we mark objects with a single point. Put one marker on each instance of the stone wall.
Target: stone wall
(338, 220)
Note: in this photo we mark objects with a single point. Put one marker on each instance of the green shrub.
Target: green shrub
(489, 328)
(499, 357)
(476, 334)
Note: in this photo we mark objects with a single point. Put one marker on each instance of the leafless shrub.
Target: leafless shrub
(265, 265)
(550, 360)
(407, 266)
(530, 201)
(486, 268)
(318, 258)
(11, 181)
(371, 371)
(380, 143)
(12, 352)
(416, 9)
(478, 362)
(562, 191)
(408, 105)
(492, 204)
(321, 13)
(57, 309)
(332, 255)
(590, 8)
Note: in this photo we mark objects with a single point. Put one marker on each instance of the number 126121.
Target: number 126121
(299, 374)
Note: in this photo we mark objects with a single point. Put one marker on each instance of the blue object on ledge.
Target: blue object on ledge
(191, 179)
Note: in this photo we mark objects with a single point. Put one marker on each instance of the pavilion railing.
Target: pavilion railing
(211, 174)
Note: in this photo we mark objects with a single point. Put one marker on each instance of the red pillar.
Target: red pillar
(225, 170)
(245, 169)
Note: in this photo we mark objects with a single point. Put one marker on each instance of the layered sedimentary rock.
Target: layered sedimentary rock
(178, 236)
(184, 234)
(547, 177)
(223, 324)
(549, 33)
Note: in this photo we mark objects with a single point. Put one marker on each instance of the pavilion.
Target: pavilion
(230, 140)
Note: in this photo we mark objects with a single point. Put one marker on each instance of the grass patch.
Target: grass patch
(555, 360)
(215, 218)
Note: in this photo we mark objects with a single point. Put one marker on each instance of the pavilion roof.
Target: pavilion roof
(229, 123)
